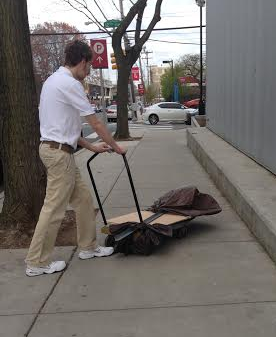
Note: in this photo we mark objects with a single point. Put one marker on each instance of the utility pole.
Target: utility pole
(142, 78)
(201, 106)
(103, 97)
(147, 59)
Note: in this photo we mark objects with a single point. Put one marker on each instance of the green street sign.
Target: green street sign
(112, 23)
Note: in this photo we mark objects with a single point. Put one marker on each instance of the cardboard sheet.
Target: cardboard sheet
(165, 219)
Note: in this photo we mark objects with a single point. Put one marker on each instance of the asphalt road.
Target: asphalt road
(88, 131)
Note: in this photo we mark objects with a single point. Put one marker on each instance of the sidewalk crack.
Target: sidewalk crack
(50, 294)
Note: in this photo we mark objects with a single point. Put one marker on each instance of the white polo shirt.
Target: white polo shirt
(62, 103)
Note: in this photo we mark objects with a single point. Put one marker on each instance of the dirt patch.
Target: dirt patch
(12, 239)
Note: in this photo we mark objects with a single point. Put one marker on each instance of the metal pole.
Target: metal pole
(173, 82)
(142, 77)
(121, 8)
(172, 69)
(103, 97)
(148, 71)
(200, 107)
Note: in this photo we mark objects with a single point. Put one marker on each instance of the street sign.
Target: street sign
(99, 60)
(112, 23)
(135, 74)
(141, 89)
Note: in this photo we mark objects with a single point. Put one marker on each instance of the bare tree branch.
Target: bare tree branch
(139, 24)
(116, 6)
(120, 31)
(83, 8)
(96, 3)
(156, 18)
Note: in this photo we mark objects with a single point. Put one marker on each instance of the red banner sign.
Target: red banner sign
(141, 89)
(135, 74)
(99, 50)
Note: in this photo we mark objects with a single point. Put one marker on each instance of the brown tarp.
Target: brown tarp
(186, 201)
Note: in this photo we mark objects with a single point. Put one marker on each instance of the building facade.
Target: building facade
(155, 77)
(241, 54)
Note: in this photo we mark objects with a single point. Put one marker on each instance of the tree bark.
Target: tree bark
(24, 176)
(122, 131)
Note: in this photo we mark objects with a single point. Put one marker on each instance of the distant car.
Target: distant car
(167, 112)
(192, 104)
(111, 112)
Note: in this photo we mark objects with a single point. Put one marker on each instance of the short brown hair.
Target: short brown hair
(75, 52)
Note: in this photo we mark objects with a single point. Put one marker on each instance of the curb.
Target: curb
(194, 123)
(256, 219)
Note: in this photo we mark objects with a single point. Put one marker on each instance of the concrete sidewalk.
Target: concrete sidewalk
(216, 282)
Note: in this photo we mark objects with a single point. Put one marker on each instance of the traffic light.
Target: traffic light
(113, 61)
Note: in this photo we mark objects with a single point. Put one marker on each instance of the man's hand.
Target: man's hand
(105, 135)
(119, 149)
(101, 147)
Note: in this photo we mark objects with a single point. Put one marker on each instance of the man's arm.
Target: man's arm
(103, 132)
(98, 147)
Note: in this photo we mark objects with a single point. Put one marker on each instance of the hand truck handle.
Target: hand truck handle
(96, 191)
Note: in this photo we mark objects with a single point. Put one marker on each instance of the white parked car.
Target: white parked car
(111, 112)
(167, 112)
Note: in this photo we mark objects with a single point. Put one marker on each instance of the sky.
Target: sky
(174, 13)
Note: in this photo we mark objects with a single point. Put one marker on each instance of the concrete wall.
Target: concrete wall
(241, 73)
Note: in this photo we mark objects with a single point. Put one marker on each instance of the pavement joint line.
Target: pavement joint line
(131, 155)
(144, 308)
(163, 307)
(50, 293)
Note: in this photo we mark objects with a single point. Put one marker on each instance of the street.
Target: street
(91, 135)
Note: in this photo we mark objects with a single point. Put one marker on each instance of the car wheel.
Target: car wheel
(153, 119)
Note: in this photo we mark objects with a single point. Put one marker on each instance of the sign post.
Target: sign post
(99, 61)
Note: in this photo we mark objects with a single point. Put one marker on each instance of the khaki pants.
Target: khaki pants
(64, 186)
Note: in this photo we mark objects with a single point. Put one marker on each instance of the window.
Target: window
(164, 105)
(176, 106)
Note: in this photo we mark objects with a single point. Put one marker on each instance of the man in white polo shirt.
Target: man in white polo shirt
(62, 103)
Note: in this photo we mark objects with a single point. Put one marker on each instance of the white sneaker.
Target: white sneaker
(50, 269)
(97, 252)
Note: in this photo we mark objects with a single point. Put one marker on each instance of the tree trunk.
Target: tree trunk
(122, 131)
(24, 176)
